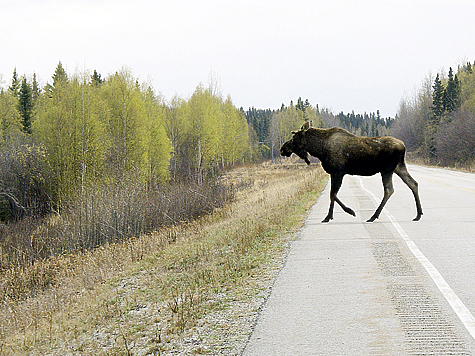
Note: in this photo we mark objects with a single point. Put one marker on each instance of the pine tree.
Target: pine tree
(469, 68)
(16, 83)
(60, 78)
(451, 93)
(59, 75)
(438, 111)
(299, 105)
(437, 101)
(25, 106)
(96, 79)
(35, 90)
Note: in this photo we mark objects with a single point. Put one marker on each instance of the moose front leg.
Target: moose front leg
(336, 180)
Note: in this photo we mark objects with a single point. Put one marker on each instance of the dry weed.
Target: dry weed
(102, 299)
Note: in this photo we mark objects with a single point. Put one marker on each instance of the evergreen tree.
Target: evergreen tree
(35, 90)
(438, 111)
(59, 75)
(25, 106)
(451, 93)
(469, 67)
(300, 105)
(60, 78)
(16, 83)
(96, 79)
(437, 101)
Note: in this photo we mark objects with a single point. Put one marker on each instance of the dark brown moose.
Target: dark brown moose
(344, 153)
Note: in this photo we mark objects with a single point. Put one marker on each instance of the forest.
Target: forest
(87, 160)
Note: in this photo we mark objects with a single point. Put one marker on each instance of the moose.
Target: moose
(341, 152)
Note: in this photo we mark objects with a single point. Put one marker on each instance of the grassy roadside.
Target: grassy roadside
(415, 158)
(143, 296)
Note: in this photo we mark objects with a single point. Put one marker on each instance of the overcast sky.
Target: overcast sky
(343, 55)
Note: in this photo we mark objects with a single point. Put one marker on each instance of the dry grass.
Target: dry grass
(418, 159)
(141, 294)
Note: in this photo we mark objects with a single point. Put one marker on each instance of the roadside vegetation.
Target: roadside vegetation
(438, 122)
(141, 295)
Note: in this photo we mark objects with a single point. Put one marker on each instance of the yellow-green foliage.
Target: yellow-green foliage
(127, 124)
(204, 117)
(98, 131)
(159, 145)
(71, 124)
(206, 131)
(9, 115)
(467, 93)
(234, 134)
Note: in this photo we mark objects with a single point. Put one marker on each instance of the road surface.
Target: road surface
(392, 287)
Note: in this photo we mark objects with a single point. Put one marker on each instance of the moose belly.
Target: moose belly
(364, 167)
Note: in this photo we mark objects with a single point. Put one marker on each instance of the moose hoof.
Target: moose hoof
(327, 219)
(350, 211)
(371, 219)
(417, 218)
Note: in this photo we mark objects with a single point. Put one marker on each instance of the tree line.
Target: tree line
(438, 121)
(82, 130)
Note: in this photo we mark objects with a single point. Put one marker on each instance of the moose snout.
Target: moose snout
(285, 151)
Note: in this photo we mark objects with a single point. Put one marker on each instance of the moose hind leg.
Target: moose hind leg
(388, 191)
(402, 172)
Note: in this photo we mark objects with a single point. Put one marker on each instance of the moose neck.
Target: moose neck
(316, 142)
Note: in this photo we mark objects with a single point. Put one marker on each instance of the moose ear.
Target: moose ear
(293, 132)
(305, 126)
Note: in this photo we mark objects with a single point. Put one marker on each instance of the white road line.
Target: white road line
(457, 305)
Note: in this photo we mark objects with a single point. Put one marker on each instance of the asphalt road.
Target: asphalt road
(392, 287)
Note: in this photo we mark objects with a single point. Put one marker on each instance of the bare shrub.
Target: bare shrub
(98, 217)
(456, 140)
(180, 201)
(108, 214)
(130, 208)
(25, 180)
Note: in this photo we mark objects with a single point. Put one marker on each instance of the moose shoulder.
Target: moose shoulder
(344, 153)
